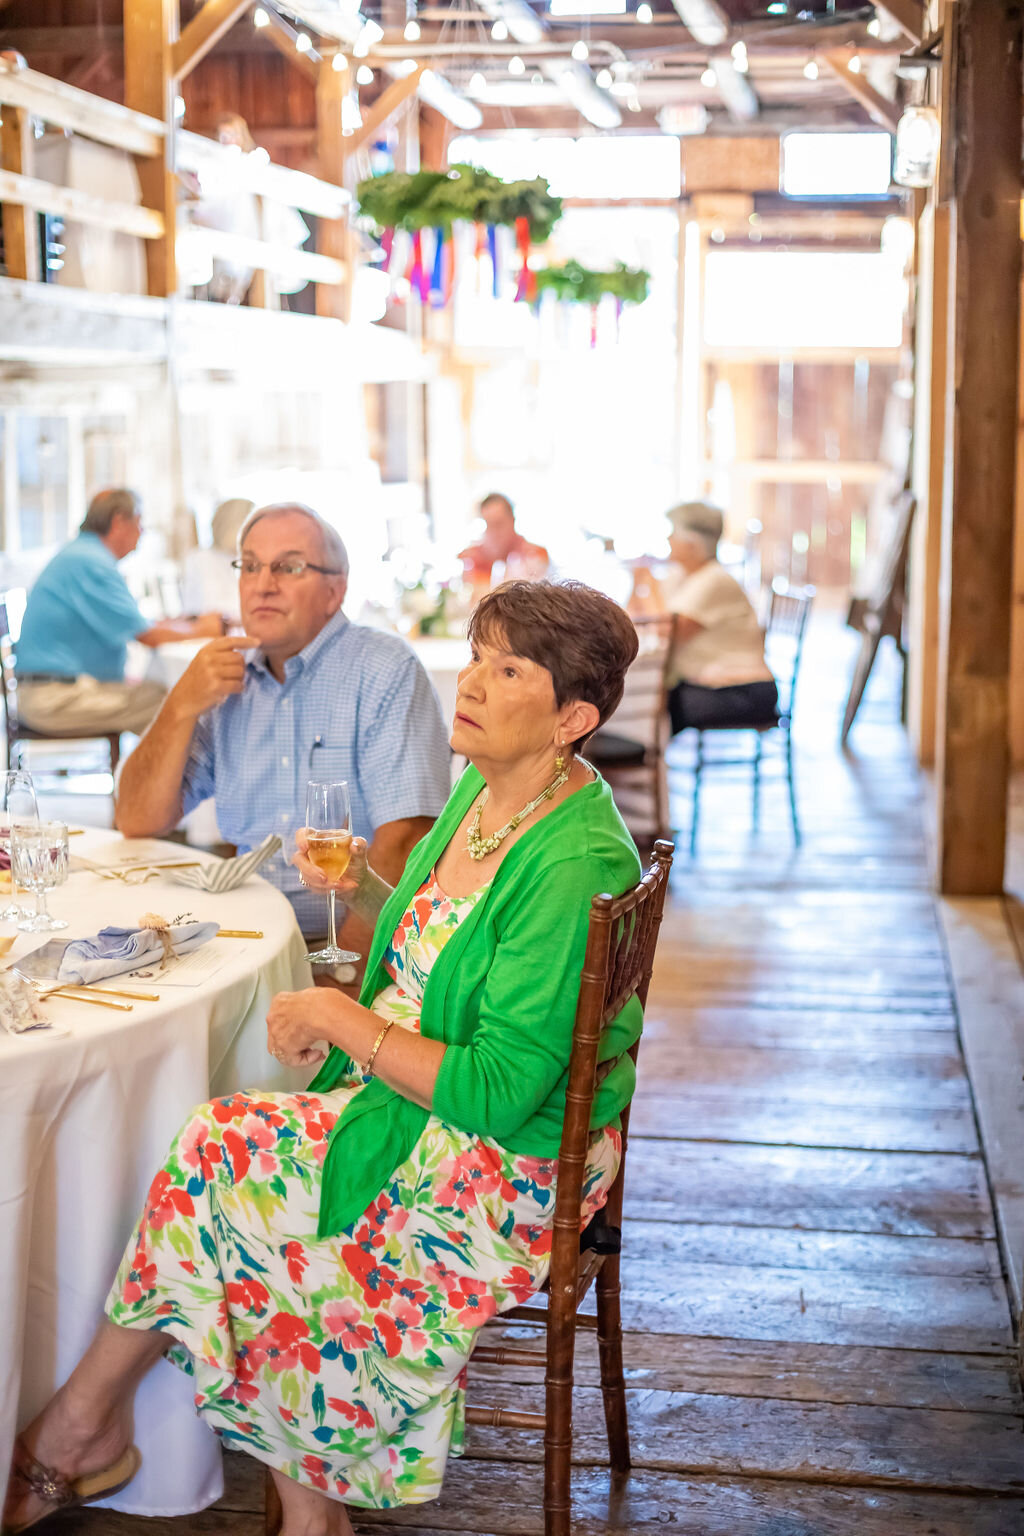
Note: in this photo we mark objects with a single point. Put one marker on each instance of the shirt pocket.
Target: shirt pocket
(330, 762)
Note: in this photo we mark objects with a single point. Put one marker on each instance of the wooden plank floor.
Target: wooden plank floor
(819, 1334)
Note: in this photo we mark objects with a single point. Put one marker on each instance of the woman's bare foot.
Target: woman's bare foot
(64, 1439)
(308, 1513)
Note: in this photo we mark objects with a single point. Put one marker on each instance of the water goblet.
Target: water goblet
(19, 805)
(329, 829)
(39, 860)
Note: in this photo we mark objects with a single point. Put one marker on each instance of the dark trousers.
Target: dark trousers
(707, 709)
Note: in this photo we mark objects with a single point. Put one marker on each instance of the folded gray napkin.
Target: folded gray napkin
(224, 874)
(116, 950)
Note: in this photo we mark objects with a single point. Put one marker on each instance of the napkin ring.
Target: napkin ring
(162, 928)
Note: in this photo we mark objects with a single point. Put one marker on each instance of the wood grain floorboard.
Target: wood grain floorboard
(715, 1116)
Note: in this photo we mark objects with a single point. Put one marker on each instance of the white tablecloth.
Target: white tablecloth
(87, 1119)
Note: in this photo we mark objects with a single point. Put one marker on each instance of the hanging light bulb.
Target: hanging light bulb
(260, 17)
(709, 79)
(499, 31)
(605, 79)
(644, 13)
(339, 62)
(364, 75)
(811, 70)
(633, 103)
(303, 42)
(874, 27)
(580, 51)
(477, 84)
(536, 79)
(179, 107)
(412, 31)
(739, 58)
(516, 65)
(917, 147)
(855, 64)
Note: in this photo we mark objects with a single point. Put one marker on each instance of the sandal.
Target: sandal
(62, 1492)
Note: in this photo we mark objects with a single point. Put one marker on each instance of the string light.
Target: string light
(412, 31)
(364, 75)
(604, 78)
(477, 84)
(339, 62)
(855, 64)
(499, 31)
(516, 65)
(580, 51)
(260, 17)
(739, 58)
(303, 43)
(709, 78)
(874, 27)
(811, 70)
(644, 13)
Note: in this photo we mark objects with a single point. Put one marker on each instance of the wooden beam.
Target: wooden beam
(333, 237)
(65, 106)
(878, 107)
(203, 32)
(21, 235)
(28, 192)
(389, 100)
(981, 434)
(288, 51)
(908, 15)
(278, 182)
(150, 30)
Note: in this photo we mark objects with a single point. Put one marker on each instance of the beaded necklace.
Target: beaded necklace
(478, 846)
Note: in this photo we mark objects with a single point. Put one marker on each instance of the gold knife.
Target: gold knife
(81, 995)
(239, 933)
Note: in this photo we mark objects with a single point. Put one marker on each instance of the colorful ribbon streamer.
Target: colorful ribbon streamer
(418, 273)
(492, 246)
(523, 246)
(387, 245)
(437, 271)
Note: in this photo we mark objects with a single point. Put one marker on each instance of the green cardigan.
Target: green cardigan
(501, 994)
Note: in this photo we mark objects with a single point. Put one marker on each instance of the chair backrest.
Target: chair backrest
(9, 601)
(619, 960)
(788, 610)
(643, 712)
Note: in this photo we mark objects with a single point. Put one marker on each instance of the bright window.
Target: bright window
(786, 301)
(836, 164)
(624, 166)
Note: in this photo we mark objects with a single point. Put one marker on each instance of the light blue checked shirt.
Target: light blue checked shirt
(355, 704)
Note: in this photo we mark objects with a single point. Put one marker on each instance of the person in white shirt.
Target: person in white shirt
(718, 677)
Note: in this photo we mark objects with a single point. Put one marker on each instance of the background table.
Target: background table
(87, 1119)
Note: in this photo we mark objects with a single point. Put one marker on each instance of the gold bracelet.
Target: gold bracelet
(368, 1069)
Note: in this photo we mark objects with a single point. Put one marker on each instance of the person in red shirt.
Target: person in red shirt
(502, 544)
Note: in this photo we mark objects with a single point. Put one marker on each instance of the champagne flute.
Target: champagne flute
(19, 806)
(329, 830)
(39, 860)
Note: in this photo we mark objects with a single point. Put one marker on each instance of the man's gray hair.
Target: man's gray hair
(105, 506)
(699, 521)
(335, 555)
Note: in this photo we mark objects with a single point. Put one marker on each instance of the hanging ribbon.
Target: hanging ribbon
(523, 247)
(593, 325)
(418, 272)
(387, 245)
(618, 320)
(437, 271)
(449, 269)
(479, 247)
(492, 246)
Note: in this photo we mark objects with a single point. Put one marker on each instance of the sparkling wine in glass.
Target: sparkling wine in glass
(329, 829)
(39, 860)
(19, 806)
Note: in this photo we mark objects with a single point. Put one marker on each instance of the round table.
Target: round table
(88, 1115)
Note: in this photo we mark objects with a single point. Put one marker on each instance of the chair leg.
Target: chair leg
(792, 791)
(114, 740)
(613, 1382)
(698, 769)
(273, 1514)
(757, 784)
(558, 1413)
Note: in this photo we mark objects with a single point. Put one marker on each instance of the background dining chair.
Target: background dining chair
(619, 959)
(15, 733)
(785, 622)
(629, 749)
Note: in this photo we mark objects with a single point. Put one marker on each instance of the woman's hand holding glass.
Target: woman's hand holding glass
(329, 847)
(314, 865)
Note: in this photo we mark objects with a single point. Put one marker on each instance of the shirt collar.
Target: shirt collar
(336, 625)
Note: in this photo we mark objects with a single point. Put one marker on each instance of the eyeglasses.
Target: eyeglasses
(290, 569)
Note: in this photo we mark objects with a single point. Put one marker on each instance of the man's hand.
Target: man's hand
(208, 626)
(217, 671)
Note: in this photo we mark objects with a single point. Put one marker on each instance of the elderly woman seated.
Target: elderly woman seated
(321, 1262)
(717, 673)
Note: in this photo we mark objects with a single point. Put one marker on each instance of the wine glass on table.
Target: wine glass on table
(329, 834)
(19, 806)
(39, 860)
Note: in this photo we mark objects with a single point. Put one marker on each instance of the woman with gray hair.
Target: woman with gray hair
(717, 676)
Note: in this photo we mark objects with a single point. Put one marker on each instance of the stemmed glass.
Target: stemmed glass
(39, 860)
(329, 830)
(19, 806)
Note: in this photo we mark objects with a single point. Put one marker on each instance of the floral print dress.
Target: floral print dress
(342, 1361)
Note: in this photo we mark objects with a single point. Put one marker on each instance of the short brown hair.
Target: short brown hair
(584, 639)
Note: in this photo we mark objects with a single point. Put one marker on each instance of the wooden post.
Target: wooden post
(150, 32)
(333, 236)
(21, 226)
(982, 47)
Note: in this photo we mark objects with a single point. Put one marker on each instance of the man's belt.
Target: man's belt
(45, 677)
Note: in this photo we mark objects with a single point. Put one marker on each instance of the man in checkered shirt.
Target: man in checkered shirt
(303, 692)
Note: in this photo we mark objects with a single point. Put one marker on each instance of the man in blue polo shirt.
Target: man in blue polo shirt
(302, 692)
(79, 619)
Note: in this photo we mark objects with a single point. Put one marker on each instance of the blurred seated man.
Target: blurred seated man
(521, 560)
(302, 693)
(80, 615)
(718, 676)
